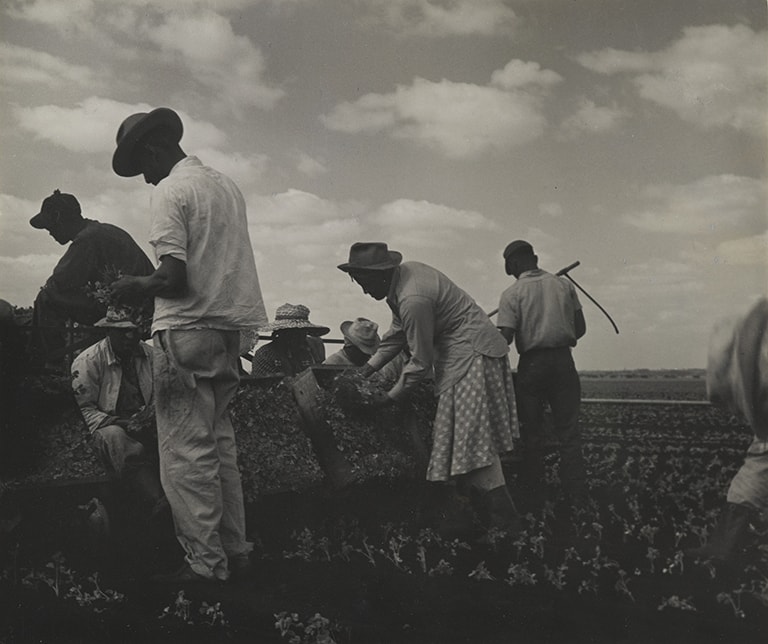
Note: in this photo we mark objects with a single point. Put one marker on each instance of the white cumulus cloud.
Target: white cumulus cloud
(713, 76)
(708, 205)
(440, 18)
(91, 126)
(458, 119)
(28, 66)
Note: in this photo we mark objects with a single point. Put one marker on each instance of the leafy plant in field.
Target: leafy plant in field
(675, 563)
(652, 555)
(68, 584)
(676, 602)
(209, 615)
(520, 575)
(316, 630)
(443, 568)
(556, 577)
(733, 599)
(622, 585)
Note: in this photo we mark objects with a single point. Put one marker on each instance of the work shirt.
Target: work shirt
(339, 359)
(440, 324)
(199, 217)
(540, 308)
(97, 376)
(96, 248)
(737, 370)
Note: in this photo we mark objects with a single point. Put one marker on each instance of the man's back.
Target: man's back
(199, 217)
(540, 307)
(98, 249)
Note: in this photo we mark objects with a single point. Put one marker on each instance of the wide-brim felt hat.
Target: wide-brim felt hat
(131, 131)
(371, 256)
(362, 333)
(294, 316)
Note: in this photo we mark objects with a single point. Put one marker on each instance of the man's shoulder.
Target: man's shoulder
(96, 351)
(98, 230)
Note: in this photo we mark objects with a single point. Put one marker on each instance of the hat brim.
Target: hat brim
(311, 329)
(40, 221)
(123, 162)
(368, 349)
(104, 323)
(395, 258)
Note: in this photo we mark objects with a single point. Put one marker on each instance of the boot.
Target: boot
(499, 511)
(447, 512)
(143, 485)
(728, 537)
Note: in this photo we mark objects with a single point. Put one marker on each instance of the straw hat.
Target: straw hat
(294, 316)
(362, 333)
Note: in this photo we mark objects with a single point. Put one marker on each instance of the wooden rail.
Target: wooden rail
(644, 401)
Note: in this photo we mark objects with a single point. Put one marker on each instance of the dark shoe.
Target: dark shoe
(728, 537)
(184, 575)
(501, 514)
(240, 566)
(447, 512)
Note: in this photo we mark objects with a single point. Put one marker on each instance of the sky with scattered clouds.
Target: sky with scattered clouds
(630, 136)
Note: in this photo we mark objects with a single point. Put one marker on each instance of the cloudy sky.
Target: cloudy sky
(629, 135)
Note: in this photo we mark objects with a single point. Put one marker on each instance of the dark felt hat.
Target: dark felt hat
(133, 128)
(59, 205)
(371, 256)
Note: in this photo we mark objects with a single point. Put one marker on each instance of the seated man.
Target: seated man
(95, 250)
(295, 343)
(112, 382)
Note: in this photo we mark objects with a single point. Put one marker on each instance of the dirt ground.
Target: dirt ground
(355, 598)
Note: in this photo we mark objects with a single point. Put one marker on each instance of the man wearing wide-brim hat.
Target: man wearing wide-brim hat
(207, 295)
(112, 383)
(448, 334)
(295, 343)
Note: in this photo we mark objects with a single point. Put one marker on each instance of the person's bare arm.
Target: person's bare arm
(169, 280)
(508, 333)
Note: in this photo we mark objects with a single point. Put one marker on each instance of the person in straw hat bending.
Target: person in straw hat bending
(207, 295)
(295, 344)
(361, 339)
(444, 329)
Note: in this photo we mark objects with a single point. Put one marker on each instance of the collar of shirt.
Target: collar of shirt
(189, 160)
(112, 358)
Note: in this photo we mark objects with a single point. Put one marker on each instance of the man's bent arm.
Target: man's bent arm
(169, 280)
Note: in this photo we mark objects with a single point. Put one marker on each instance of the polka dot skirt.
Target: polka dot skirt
(476, 419)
